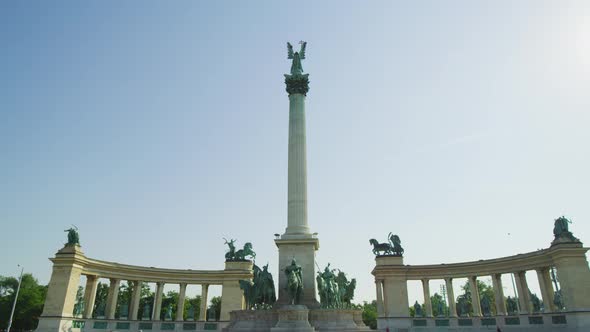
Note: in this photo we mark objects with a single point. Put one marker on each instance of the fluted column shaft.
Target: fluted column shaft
(427, 302)
(135, 298)
(546, 289)
(112, 296)
(499, 294)
(451, 297)
(203, 312)
(90, 295)
(297, 169)
(475, 301)
(180, 307)
(158, 301)
(523, 292)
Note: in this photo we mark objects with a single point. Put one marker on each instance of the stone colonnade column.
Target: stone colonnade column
(90, 295)
(523, 292)
(499, 294)
(112, 296)
(180, 307)
(203, 312)
(546, 289)
(451, 297)
(158, 301)
(427, 302)
(379, 287)
(475, 301)
(135, 298)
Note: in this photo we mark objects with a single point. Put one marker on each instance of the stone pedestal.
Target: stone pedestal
(358, 319)
(54, 324)
(337, 320)
(303, 250)
(573, 274)
(61, 291)
(252, 320)
(231, 293)
(293, 318)
(395, 288)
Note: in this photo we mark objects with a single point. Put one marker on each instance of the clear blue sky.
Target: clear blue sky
(158, 128)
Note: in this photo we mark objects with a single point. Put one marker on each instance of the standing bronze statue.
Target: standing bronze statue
(485, 304)
(561, 231)
(265, 287)
(296, 68)
(297, 81)
(73, 237)
(418, 310)
(146, 312)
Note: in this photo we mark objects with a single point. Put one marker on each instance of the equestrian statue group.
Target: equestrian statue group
(391, 248)
(238, 255)
(335, 291)
(259, 293)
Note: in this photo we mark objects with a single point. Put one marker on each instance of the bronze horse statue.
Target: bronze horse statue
(386, 248)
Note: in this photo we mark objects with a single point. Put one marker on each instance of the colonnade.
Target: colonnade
(525, 305)
(70, 263)
(111, 302)
(569, 260)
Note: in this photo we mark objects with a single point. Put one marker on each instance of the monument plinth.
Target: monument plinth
(293, 318)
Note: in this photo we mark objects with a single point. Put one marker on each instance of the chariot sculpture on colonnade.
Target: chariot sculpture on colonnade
(391, 248)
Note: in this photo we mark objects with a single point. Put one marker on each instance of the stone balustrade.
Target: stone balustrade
(70, 263)
(569, 259)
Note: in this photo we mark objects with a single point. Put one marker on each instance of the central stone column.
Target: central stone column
(297, 242)
(297, 226)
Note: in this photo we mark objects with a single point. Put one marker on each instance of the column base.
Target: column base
(54, 324)
(293, 318)
(303, 250)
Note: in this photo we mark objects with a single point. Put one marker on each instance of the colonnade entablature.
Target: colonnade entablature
(70, 263)
(540, 259)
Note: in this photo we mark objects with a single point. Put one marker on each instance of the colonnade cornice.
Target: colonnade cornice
(153, 274)
(522, 262)
(108, 270)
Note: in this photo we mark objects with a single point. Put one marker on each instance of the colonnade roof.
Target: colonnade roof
(389, 266)
(104, 269)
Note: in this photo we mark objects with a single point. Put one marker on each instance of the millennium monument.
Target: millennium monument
(297, 308)
(297, 243)
(251, 303)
